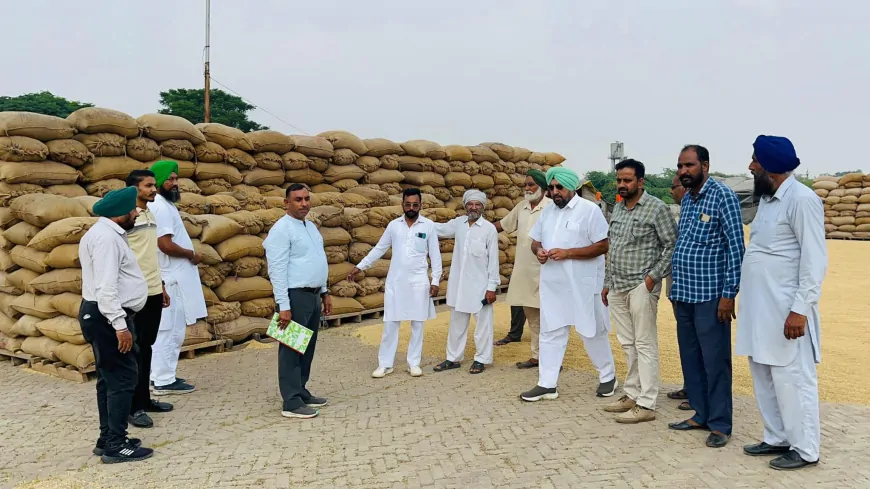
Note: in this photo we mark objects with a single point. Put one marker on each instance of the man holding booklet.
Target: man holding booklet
(298, 271)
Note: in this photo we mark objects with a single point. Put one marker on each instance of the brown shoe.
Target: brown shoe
(530, 363)
(636, 415)
(624, 404)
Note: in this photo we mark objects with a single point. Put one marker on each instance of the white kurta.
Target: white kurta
(571, 289)
(186, 301)
(474, 269)
(782, 272)
(406, 291)
(178, 271)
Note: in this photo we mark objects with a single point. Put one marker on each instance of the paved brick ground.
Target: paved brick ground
(442, 430)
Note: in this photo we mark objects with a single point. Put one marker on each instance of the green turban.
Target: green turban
(539, 178)
(117, 203)
(162, 169)
(568, 178)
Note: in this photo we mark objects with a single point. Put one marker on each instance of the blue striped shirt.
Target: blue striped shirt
(709, 250)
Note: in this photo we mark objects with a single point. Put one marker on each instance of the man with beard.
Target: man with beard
(298, 271)
(677, 193)
(570, 240)
(642, 236)
(143, 241)
(778, 325)
(523, 288)
(178, 262)
(474, 278)
(409, 292)
(113, 290)
(706, 270)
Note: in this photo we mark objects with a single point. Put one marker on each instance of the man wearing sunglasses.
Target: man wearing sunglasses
(523, 288)
(408, 291)
(570, 240)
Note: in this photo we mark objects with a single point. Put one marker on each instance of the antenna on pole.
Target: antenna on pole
(616, 154)
(207, 48)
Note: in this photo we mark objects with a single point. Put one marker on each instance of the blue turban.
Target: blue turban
(776, 154)
(568, 178)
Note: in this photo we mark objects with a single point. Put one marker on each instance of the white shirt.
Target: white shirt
(406, 296)
(474, 269)
(111, 276)
(176, 270)
(568, 288)
(783, 268)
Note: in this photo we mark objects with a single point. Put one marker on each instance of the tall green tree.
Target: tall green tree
(42, 103)
(226, 108)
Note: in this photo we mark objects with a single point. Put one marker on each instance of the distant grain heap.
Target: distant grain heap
(847, 205)
(53, 170)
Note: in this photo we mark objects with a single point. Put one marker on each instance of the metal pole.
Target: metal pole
(207, 48)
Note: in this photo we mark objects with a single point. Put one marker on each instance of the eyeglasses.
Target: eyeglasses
(556, 187)
(408, 205)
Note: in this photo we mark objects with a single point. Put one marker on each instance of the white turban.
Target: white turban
(474, 194)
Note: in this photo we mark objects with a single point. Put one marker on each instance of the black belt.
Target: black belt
(310, 290)
(130, 313)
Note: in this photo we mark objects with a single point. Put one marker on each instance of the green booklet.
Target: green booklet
(294, 336)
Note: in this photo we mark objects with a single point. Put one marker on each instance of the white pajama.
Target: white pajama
(782, 273)
(457, 336)
(553, 345)
(170, 337)
(788, 398)
(390, 343)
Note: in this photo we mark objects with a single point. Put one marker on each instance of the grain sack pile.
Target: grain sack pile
(847, 205)
(232, 185)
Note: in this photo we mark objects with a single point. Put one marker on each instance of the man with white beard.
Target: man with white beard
(474, 278)
(523, 288)
(408, 292)
(570, 240)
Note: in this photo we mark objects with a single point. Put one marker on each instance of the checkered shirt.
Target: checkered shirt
(710, 247)
(642, 242)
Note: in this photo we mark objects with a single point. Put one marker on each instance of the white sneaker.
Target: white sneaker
(415, 371)
(381, 372)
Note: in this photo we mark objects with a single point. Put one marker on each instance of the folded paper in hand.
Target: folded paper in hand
(294, 336)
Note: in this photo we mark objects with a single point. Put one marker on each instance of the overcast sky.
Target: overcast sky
(558, 75)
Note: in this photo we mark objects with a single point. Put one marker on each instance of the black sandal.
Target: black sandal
(476, 368)
(446, 365)
(680, 394)
(685, 406)
(504, 341)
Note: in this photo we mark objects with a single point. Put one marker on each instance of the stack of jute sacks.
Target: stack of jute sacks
(53, 170)
(847, 205)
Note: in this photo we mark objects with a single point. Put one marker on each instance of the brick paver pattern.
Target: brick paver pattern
(444, 430)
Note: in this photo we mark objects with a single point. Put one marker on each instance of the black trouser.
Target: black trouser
(147, 323)
(116, 372)
(295, 369)
(518, 321)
